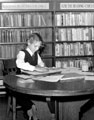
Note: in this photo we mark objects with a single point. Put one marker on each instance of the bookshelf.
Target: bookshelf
(74, 23)
(18, 19)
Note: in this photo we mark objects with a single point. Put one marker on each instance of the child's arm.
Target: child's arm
(22, 64)
(40, 62)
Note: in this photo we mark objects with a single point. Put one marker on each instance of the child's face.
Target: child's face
(34, 46)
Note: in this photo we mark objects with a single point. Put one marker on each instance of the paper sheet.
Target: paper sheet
(25, 79)
(24, 76)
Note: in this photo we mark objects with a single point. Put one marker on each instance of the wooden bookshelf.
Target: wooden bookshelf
(74, 23)
(18, 19)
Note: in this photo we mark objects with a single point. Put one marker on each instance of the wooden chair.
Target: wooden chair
(9, 67)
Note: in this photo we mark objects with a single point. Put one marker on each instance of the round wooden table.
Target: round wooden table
(61, 91)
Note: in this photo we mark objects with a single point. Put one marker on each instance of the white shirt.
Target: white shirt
(25, 65)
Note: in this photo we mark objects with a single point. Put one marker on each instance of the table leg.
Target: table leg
(50, 106)
(8, 106)
(14, 107)
(56, 110)
(55, 114)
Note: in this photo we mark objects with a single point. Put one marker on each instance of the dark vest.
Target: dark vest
(32, 60)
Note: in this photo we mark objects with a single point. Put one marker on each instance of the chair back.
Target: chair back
(9, 66)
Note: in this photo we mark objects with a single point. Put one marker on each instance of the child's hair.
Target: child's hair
(35, 36)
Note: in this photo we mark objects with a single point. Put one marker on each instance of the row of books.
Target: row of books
(74, 18)
(77, 49)
(47, 50)
(71, 63)
(10, 51)
(75, 34)
(42, 19)
(24, 19)
(73, 49)
(21, 35)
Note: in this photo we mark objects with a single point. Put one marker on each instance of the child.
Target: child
(29, 59)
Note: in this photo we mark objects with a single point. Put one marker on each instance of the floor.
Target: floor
(3, 105)
(89, 115)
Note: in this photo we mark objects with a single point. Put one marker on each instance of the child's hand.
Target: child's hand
(41, 69)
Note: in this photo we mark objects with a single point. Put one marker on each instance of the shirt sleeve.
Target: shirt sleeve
(22, 64)
(40, 62)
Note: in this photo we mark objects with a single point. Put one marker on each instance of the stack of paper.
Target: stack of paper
(49, 72)
(51, 78)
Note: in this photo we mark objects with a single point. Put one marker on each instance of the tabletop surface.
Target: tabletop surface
(60, 88)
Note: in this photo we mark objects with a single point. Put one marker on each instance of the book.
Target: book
(58, 20)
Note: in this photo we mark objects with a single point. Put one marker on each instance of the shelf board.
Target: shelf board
(47, 57)
(5, 58)
(75, 41)
(75, 57)
(76, 26)
(12, 43)
(19, 43)
(28, 11)
(47, 42)
(26, 27)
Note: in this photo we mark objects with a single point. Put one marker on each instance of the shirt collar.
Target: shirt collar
(29, 51)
